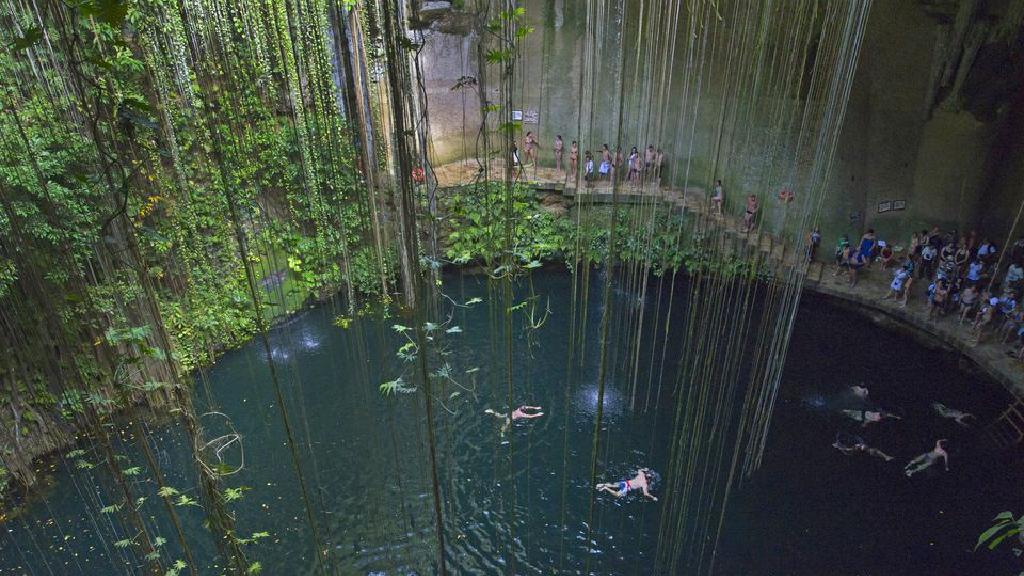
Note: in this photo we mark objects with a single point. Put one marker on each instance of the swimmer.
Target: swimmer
(521, 413)
(927, 460)
(952, 413)
(866, 417)
(860, 392)
(620, 489)
(856, 445)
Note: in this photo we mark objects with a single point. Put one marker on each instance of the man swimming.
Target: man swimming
(866, 417)
(927, 460)
(856, 445)
(521, 413)
(952, 413)
(620, 489)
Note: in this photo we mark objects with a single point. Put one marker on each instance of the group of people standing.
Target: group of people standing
(965, 277)
(637, 167)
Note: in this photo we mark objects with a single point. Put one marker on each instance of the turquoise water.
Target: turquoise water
(521, 499)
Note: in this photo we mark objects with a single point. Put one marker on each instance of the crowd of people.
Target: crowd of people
(968, 278)
(638, 167)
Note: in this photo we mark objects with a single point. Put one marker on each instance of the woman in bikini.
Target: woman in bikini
(559, 146)
(574, 156)
(620, 489)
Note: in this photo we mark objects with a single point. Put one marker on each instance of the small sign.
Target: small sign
(517, 115)
(531, 117)
(885, 206)
(899, 204)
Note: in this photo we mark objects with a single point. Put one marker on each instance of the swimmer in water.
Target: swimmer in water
(638, 482)
(866, 417)
(521, 413)
(860, 392)
(856, 445)
(952, 413)
(927, 460)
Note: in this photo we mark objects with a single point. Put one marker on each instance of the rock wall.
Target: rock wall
(922, 132)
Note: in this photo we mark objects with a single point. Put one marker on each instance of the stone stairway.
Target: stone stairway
(777, 251)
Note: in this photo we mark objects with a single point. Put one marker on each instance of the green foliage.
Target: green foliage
(1003, 526)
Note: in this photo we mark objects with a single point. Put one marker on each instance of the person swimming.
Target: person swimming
(520, 413)
(927, 460)
(639, 482)
(952, 413)
(849, 444)
(866, 417)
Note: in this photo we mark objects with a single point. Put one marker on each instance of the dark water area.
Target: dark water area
(523, 497)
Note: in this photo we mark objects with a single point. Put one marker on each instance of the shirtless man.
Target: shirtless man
(521, 413)
(927, 460)
(617, 164)
(649, 156)
(559, 149)
(748, 218)
(866, 417)
(952, 413)
(620, 489)
(858, 446)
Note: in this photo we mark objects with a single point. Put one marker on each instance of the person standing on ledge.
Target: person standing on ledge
(530, 144)
(718, 197)
(605, 170)
(588, 167)
(927, 460)
(617, 164)
(620, 489)
(751, 213)
(559, 146)
(574, 156)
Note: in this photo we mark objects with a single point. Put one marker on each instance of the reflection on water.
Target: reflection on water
(523, 498)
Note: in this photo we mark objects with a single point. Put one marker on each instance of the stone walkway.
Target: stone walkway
(868, 295)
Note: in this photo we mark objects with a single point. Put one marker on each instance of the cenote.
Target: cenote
(808, 510)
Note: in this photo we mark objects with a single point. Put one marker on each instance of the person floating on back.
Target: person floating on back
(927, 460)
(952, 413)
(621, 488)
(848, 444)
(521, 413)
(866, 417)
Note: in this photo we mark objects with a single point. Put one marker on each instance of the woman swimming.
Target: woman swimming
(521, 413)
(638, 482)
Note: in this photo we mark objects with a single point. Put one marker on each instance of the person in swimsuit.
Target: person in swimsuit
(530, 144)
(853, 265)
(617, 163)
(952, 413)
(866, 417)
(634, 165)
(659, 160)
(620, 489)
(718, 197)
(937, 301)
(559, 149)
(968, 301)
(751, 212)
(855, 445)
(521, 413)
(574, 156)
(927, 460)
(649, 156)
